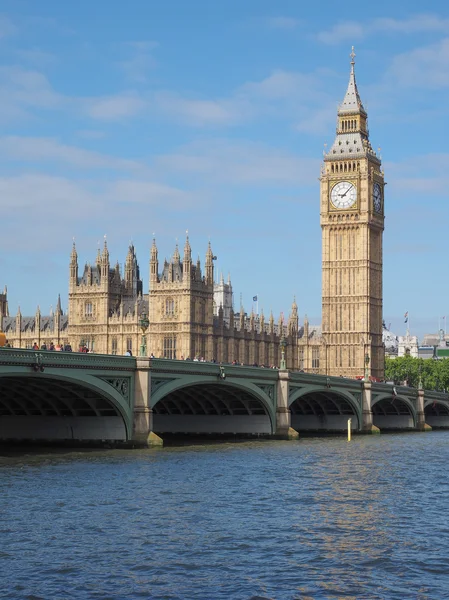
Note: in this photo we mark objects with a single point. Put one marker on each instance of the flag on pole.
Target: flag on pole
(406, 317)
(254, 298)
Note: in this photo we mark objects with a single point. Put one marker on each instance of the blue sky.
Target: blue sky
(128, 118)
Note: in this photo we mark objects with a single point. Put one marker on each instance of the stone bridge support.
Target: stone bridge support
(283, 414)
(143, 415)
(367, 415)
(421, 424)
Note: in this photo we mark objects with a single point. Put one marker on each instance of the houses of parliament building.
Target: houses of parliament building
(191, 314)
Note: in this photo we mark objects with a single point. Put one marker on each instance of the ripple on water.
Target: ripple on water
(318, 518)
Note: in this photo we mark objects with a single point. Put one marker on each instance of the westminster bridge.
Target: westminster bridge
(75, 397)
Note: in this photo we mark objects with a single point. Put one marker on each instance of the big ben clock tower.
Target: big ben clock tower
(352, 222)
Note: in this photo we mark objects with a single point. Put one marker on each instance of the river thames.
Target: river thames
(315, 518)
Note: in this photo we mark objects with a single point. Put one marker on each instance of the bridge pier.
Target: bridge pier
(367, 415)
(143, 434)
(421, 424)
(283, 413)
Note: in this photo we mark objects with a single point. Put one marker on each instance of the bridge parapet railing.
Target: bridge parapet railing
(80, 360)
(325, 380)
(164, 365)
(405, 390)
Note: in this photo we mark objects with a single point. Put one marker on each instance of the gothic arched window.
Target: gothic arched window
(169, 307)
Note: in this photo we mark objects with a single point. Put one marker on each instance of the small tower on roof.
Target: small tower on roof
(105, 263)
(187, 260)
(73, 266)
(209, 265)
(293, 321)
(154, 263)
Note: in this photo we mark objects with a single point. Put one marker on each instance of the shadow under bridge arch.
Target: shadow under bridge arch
(393, 412)
(212, 406)
(437, 413)
(52, 407)
(324, 409)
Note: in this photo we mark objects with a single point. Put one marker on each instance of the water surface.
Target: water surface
(317, 518)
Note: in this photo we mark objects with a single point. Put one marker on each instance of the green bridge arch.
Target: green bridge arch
(381, 398)
(309, 390)
(163, 389)
(85, 381)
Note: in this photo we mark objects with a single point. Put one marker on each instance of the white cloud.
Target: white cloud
(37, 57)
(201, 112)
(27, 88)
(282, 94)
(318, 121)
(422, 67)
(352, 31)
(47, 208)
(91, 134)
(348, 30)
(282, 22)
(240, 163)
(141, 61)
(115, 107)
(7, 27)
(415, 24)
(283, 84)
(422, 174)
(39, 150)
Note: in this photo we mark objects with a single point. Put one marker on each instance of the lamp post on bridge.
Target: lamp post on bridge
(144, 324)
(283, 345)
(367, 367)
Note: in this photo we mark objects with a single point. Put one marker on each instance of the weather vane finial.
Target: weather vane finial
(352, 55)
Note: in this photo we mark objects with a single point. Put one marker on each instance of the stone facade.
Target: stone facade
(192, 316)
(352, 223)
(408, 345)
(184, 307)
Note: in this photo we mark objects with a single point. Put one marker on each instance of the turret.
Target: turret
(306, 327)
(130, 271)
(252, 321)
(271, 323)
(293, 319)
(154, 263)
(73, 266)
(187, 261)
(37, 320)
(242, 318)
(57, 317)
(198, 270)
(105, 264)
(176, 255)
(209, 265)
(18, 322)
(281, 325)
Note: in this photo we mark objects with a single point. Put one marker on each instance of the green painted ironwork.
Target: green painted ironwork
(112, 377)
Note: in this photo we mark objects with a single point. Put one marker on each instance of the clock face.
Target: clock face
(343, 195)
(377, 198)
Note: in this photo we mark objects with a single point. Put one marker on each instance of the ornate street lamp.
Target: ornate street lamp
(367, 367)
(283, 345)
(144, 324)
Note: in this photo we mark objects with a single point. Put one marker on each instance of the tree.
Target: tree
(407, 370)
